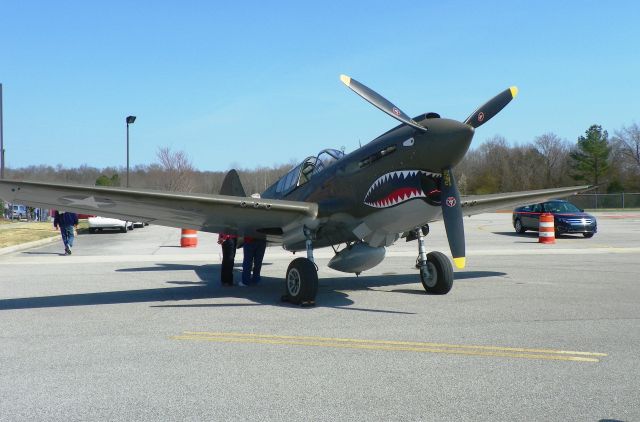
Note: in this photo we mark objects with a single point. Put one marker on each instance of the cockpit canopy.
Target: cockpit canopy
(303, 172)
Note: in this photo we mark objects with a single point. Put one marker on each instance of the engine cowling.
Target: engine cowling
(357, 258)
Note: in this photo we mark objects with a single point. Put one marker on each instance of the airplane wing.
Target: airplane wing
(210, 213)
(477, 204)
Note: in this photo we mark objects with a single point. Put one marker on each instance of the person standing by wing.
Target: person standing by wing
(67, 222)
(253, 250)
(228, 242)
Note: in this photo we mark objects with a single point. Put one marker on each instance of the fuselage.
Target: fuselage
(388, 186)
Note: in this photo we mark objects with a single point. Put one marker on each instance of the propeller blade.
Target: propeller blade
(380, 102)
(492, 107)
(452, 216)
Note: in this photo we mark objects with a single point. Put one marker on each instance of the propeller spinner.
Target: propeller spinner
(450, 202)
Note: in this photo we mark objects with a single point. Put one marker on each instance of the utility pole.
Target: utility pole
(1, 139)
(129, 120)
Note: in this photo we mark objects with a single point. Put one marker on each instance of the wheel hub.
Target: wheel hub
(428, 274)
(293, 282)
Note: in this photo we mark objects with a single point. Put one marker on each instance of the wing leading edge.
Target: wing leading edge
(477, 204)
(211, 213)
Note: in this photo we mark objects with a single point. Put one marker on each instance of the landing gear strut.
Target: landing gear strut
(301, 283)
(436, 272)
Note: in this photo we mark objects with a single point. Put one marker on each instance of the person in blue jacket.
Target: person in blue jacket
(253, 250)
(67, 222)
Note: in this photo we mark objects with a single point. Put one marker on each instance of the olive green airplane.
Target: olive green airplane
(357, 203)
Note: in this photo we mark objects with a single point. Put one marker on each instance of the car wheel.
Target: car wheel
(588, 235)
(518, 226)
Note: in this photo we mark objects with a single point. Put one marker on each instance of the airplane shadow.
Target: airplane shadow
(332, 292)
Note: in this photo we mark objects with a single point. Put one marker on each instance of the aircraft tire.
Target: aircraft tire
(439, 268)
(301, 283)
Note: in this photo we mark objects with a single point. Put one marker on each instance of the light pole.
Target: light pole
(1, 139)
(130, 120)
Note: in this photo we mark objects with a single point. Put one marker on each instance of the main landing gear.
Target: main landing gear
(301, 283)
(436, 271)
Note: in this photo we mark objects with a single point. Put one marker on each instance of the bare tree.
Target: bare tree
(555, 153)
(178, 170)
(628, 140)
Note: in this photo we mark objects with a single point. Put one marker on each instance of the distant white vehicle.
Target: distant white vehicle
(99, 223)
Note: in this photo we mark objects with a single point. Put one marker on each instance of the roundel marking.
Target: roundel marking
(451, 201)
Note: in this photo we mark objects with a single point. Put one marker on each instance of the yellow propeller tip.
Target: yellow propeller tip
(460, 262)
(345, 79)
(514, 91)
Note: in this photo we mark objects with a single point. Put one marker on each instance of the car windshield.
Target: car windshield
(560, 207)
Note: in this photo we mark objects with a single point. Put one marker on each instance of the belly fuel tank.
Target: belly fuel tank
(357, 258)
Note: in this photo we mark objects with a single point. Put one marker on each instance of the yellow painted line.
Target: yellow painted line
(391, 342)
(546, 354)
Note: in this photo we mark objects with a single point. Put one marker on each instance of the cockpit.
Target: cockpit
(305, 171)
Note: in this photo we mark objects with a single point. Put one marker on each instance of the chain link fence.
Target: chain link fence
(606, 200)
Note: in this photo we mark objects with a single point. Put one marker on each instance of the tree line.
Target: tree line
(611, 162)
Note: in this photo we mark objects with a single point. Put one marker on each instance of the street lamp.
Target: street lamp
(1, 139)
(130, 120)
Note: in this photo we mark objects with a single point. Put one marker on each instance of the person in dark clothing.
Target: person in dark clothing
(228, 242)
(67, 222)
(253, 250)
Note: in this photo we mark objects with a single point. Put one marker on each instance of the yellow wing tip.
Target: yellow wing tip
(460, 262)
(514, 91)
(345, 79)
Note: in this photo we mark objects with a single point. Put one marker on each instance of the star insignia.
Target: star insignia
(89, 201)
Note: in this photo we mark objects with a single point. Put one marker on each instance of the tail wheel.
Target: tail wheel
(301, 283)
(440, 275)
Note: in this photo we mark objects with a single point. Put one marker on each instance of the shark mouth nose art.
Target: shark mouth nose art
(397, 187)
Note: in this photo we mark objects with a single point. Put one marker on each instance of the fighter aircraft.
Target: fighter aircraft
(357, 203)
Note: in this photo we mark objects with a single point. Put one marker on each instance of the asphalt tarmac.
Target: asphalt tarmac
(133, 327)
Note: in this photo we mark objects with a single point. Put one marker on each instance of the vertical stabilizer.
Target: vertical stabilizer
(231, 185)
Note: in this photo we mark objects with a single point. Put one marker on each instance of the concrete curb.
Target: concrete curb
(28, 245)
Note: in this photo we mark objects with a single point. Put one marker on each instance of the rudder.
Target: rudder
(231, 185)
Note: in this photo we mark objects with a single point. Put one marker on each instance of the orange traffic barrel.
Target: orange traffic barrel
(546, 231)
(189, 238)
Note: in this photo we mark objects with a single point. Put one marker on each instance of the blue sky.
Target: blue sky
(245, 84)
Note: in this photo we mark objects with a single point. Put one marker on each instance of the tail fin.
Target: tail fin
(231, 185)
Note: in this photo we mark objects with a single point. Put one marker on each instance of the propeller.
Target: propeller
(380, 102)
(452, 216)
(450, 196)
(486, 111)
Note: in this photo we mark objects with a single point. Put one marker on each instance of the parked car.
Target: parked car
(19, 212)
(567, 218)
(101, 223)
